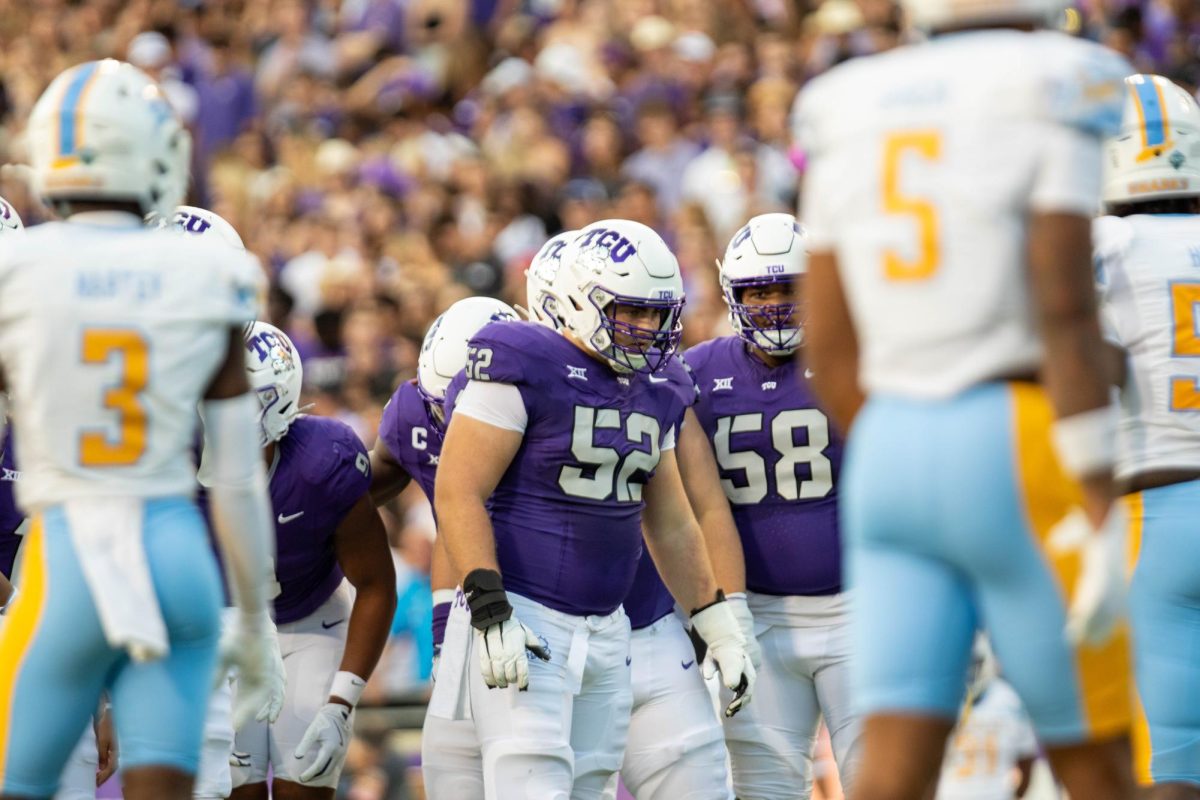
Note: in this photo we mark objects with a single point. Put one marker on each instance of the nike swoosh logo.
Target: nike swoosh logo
(686, 664)
(628, 660)
(657, 380)
(328, 625)
(283, 520)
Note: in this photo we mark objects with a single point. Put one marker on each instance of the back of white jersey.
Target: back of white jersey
(109, 335)
(1148, 273)
(989, 741)
(924, 166)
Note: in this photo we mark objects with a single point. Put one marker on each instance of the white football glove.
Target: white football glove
(329, 732)
(737, 604)
(718, 627)
(250, 647)
(1098, 603)
(502, 658)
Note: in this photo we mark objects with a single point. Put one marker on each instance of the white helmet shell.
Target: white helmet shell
(10, 220)
(276, 375)
(935, 14)
(540, 278)
(202, 222)
(768, 249)
(627, 263)
(444, 349)
(1157, 153)
(103, 132)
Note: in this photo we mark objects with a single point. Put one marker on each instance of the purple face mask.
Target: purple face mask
(649, 348)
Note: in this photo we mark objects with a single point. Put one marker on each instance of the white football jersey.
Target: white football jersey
(109, 335)
(925, 163)
(1148, 274)
(985, 747)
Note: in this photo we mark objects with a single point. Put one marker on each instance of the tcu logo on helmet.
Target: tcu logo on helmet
(619, 248)
(268, 346)
(190, 223)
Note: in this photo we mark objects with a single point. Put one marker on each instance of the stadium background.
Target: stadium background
(384, 158)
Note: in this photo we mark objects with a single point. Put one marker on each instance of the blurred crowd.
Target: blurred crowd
(384, 158)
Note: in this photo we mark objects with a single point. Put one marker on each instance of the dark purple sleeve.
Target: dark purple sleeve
(391, 424)
(346, 469)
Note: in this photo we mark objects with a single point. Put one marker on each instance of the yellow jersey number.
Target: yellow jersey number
(926, 145)
(101, 346)
(1185, 296)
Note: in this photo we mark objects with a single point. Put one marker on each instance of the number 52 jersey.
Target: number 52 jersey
(779, 459)
(110, 334)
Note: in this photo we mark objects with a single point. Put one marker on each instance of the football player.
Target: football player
(1147, 254)
(408, 447)
(949, 287)
(336, 583)
(110, 335)
(560, 450)
(779, 459)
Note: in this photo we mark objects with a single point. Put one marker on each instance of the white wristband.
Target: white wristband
(1086, 443)
(441, 596)
(347, 686)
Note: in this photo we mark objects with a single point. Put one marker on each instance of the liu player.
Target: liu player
(780, 460)
(559, 452)
(1147, 254)
(952, 323)
(110, 335)
(336, 582)
(408, 448)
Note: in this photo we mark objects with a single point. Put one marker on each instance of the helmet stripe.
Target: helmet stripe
(70, 128)
(1152, 114)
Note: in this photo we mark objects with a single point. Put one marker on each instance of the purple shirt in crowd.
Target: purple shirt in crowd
(321, 470)
(567, 513)
(779, 460)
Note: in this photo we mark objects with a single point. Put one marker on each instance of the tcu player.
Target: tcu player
(336, 582)
(559, 452)
(675, 747)
(110, 335)
(949, 286)
(779, 460)
(1147, 252)
(408, 447)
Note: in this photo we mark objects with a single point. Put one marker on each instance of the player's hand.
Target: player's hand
(106, 747)
(502, 658)
(329, 735)
(737, 603)
(1098, 603)
(718, 627)
(250, 647)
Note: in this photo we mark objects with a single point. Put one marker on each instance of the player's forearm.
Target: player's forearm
(702, 483)
(724, 548)
(464, 523)
(442, 574)
(370, 624)
(682, 561)
(388, 478)
(831, 346)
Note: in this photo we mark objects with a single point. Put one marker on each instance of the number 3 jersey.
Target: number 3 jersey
(925, 164)
(110, 334)
(567, 514)
(778, 460)
(1148, 275)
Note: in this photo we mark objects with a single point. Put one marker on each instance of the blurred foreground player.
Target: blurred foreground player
(1147, 254)
(950, 288)
(110, 335)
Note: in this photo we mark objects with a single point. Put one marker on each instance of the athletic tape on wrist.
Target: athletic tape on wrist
(347, 686)
(1086, 443)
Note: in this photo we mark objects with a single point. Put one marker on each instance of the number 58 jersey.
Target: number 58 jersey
(110, 333)
(925, 165)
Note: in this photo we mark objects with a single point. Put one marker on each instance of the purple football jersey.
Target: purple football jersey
(10, 516)
(779, 459)
(567, 513)
(321, 469)
(411, 436)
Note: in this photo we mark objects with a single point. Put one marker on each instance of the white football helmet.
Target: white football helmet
(10, 220)
(275, 374)
(935, 14)
(444, 350)
(617, 262)
(202, 222)
(768, 249)
(540, 277)
(1157, 153)
(104, 132)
